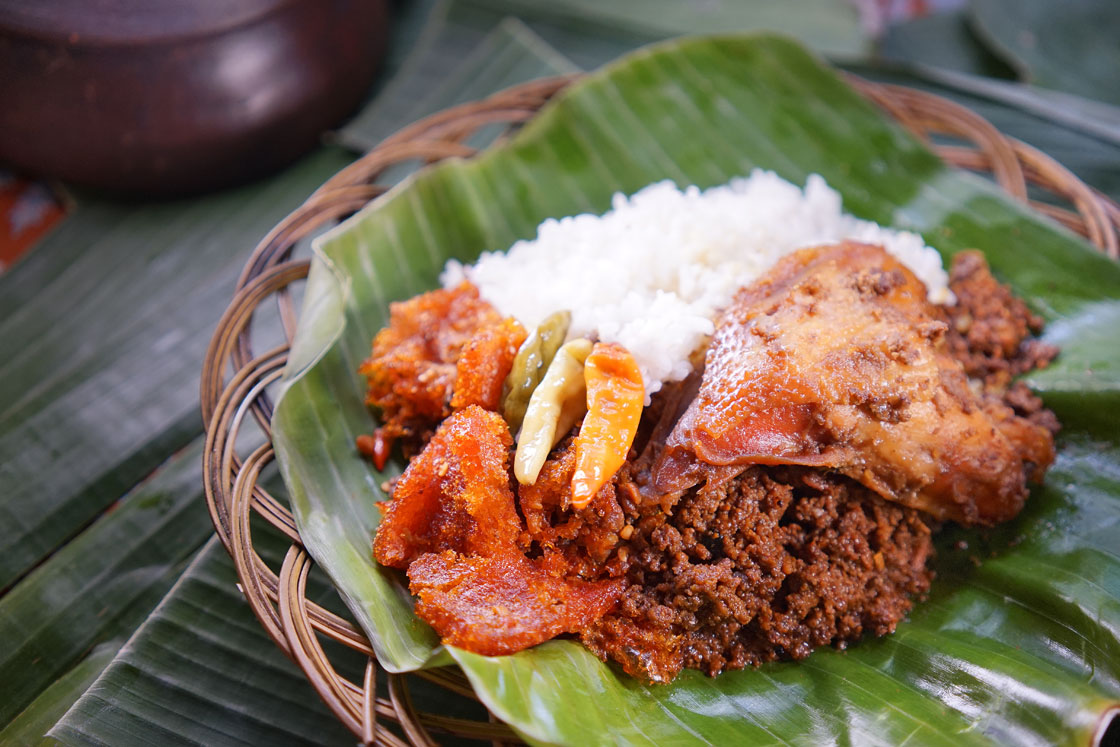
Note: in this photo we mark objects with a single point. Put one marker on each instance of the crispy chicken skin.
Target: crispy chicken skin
(484, 363)
(413, 365)
(836, 359)
(453, 525)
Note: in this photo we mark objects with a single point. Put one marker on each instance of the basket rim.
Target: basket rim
(230, 480)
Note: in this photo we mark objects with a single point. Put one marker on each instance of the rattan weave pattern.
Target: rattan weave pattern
(235, 379)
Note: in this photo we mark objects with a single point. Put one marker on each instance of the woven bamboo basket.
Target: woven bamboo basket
(236, 378)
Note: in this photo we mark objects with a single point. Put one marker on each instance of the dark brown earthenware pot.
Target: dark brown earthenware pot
(165, 97)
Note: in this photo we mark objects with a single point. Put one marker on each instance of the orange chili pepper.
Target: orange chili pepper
(615, 394)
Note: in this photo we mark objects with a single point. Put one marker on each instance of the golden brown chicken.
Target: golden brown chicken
(836, 359)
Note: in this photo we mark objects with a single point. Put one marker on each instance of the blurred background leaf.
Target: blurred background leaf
(103, 584)
(1093, 157)
(829, 27)
(510, 54)
(101, 388)
(30, 726)
(1070, 45)
(949, 49)
(942, 40)
(201, 670)
(102, 366)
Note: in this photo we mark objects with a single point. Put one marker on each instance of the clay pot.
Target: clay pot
(167, 97)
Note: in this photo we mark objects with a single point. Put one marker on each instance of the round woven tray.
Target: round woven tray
(235, 378)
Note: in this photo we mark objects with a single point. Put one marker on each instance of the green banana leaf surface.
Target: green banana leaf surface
(198, 671)
(1019, 641)
(510, 54)
(103, 584)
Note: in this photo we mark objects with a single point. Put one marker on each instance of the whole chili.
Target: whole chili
(615, 395)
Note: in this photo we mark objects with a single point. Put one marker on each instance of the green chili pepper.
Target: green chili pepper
(562, 383)
(533, 359)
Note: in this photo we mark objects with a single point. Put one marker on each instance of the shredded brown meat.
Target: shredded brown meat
(989, 328)
(990, 334)
(751, 563)
(768, 565)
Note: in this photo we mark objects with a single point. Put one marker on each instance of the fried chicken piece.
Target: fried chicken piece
(412, 367)
(836, 359)
(503, 603)
(455, 494)
(452, 523)
(484, 364)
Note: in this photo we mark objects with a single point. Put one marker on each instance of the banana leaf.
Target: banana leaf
(942, 41)
(1090, 148)
(100, 586)
(202, 671)
(1020, 639)
(944, 48)
(510, 54)
(829, 27)
(33, 722)
(1070, 46)
(100, 373)
(588, 34)
(581, 38)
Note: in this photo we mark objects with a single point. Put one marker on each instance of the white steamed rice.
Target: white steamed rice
(653, 273)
